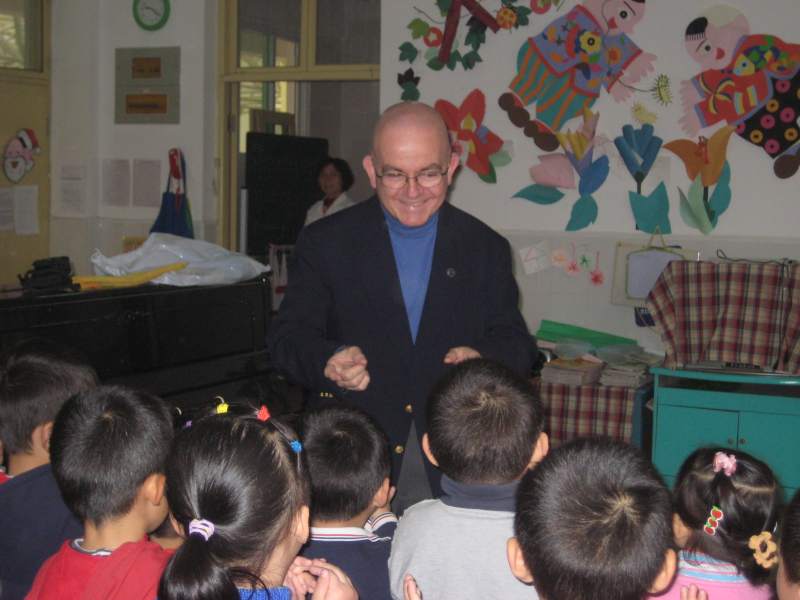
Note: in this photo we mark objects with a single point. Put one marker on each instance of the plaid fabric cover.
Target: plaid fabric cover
(737, 312)
(587, 410)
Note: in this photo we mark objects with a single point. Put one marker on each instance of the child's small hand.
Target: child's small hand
(693, 593)
(411, 590)
(332, 583)
(298, 579)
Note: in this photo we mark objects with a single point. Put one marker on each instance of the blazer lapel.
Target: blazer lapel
(382, 283)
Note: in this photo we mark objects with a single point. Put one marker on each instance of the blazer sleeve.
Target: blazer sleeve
(506, 337)
(298, 336)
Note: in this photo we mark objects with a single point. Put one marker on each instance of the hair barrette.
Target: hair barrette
(713, 520)
(765, 550)
(222, 407)
(263, 413)
(725, 463)
(187, 424)
(202, 527)
(296, 446)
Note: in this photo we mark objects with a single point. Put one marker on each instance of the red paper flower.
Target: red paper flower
(466, 123)
(597, 277)
(433, 38)
(540, 6)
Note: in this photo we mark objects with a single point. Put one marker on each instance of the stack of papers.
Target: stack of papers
(632, 374)
(577, 371)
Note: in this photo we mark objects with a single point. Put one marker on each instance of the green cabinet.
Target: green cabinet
(758, 414)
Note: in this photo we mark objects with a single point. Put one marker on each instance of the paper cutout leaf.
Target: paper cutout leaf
(686, 212)
(584, 213)
(435, 64)
(431, 53)
(418, 28)
(694, 198)
(444, 5)
(651, 211)
(475, 37)
(500, 159)
(408, 52)
(490, 176)
(593, 177)
(410, 92)
(540, 194)
(721, 196)
(470, 59)
(455, 58)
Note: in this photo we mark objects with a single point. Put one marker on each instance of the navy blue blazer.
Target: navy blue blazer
(344, 289)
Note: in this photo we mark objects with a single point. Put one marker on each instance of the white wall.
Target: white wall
(763, 217)
(85, 36)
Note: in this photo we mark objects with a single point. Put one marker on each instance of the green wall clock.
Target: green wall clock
(151, 15)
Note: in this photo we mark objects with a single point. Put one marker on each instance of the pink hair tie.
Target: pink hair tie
(725, 463)
(201, 527)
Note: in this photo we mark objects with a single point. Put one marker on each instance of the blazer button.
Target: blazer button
(409, 409)
(450, 272)
(399, 449)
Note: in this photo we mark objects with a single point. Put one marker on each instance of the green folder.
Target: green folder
(552, 331)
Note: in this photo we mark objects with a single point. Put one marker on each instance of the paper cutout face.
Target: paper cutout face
(621, 16)
(18, 155)
(711, 39)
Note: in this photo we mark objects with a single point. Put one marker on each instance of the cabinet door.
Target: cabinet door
(680, 430)
(773, 439)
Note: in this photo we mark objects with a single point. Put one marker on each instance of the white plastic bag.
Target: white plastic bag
(209, 264)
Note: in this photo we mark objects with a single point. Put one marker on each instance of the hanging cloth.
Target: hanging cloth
(175, 215)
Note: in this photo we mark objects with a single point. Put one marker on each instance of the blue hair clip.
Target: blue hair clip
(296, 446)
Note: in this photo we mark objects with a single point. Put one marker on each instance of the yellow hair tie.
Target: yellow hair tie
(764, 549)
(222, 407)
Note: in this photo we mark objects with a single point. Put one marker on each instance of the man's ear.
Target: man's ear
(667, 573)
(426, 448)
(369, 167)
(381, 497)
(540, 449)
(153, 488)
(300, 528)
(517, 561)
(455, 161)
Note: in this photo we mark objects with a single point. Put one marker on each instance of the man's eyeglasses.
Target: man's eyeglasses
(394, 180)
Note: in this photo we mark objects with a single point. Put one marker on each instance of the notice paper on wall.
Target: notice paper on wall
(146, 182)
(116, 182)
(7, 209)
(26, 209)
(535, 258)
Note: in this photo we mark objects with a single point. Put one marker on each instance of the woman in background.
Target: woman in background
(334, 177)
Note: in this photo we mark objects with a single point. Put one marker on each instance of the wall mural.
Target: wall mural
(746, 84)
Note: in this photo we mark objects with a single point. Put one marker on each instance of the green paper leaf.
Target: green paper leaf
(584, 213)
(418, 28)
(455, 59)
(408, 51)
(694, 199)
(435, 64)
(540, 194)
(410, 92)
(470, 59)
(430, 53)
(522, 16)
(444, 5)
(500, 158)
(686, 212)
(475, 37)
(490, 177)
(651, 211)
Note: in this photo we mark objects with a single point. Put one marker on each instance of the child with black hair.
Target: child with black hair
(727, 505)
(593, 521)
(108, 451)
(239, 493)
(484, 432)
(351, 522)
(36, 379)
(788, 578)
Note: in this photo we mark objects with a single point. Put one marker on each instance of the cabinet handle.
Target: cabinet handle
(731, 441)
(742, 441)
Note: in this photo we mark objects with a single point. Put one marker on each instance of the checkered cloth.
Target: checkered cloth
(587, 410)
(737, 312)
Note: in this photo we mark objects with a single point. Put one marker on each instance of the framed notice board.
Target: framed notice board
(147, 85)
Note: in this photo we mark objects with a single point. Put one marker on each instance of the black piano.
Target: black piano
(185, 344)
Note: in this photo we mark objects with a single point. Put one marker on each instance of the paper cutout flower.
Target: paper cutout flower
(638, 149)
(554, 170)
(484, 149)
(589, 42)
(433, 39)
(705, 157)
(506, 18)
(596, 277)
(559, 258)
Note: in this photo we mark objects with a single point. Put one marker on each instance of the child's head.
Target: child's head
(711, 38)
(108, 450)
(348, 460)
(237, 488)
(788, 581)
(484, 424)
(593, 520)
(723, 497)
(36, 379)
(622, 16)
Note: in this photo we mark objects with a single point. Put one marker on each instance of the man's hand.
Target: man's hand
(348, 369)
(460, 354)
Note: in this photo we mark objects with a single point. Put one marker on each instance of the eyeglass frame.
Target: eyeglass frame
(442, 173)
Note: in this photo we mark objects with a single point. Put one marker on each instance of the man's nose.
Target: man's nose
(414, 187)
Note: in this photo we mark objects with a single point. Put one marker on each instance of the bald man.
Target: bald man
(384, 296)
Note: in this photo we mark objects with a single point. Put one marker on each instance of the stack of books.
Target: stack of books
(577, 371)
(631, 374)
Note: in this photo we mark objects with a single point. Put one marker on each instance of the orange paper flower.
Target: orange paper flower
(706, 157)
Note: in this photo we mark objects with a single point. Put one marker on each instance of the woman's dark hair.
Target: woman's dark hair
(244, 476)
(593, 520)
(749, 499)
(342, 167)
(790, 540)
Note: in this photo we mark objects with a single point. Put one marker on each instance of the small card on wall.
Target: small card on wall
(535, 258)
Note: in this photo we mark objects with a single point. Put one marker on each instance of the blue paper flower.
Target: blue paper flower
(638, 149)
